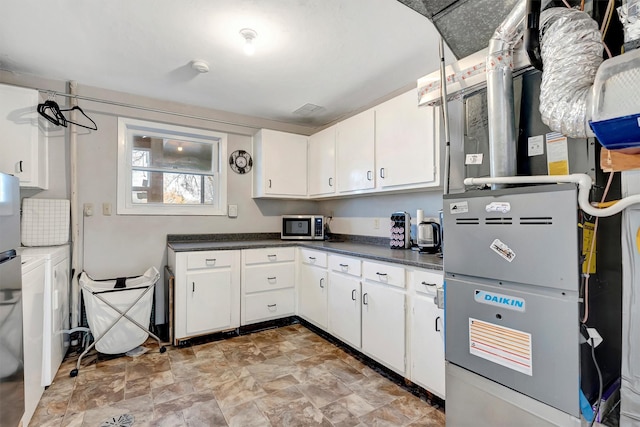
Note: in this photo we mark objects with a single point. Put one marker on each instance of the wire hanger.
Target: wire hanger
(51, 111)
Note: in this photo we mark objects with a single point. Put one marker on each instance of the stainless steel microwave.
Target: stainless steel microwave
(302, 227)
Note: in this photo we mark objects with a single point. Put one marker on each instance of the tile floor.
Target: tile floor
(287, 376)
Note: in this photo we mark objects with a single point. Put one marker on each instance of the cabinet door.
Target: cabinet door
(355, 138)
(322, 162)
(427, 345)
(208, 301)
(312, 295)
(405, 142)
(383, 324)
(19, 136)
(282, 164)
(344, 308)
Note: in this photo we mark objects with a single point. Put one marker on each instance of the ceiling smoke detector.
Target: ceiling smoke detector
(248, 34)
(200, 66)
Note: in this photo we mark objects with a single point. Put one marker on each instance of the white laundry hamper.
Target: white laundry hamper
(118, 312)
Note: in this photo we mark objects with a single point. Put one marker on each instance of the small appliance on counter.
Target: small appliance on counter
(400, 230)
(302, 227)
(429, 236)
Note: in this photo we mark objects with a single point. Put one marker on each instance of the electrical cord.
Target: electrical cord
(595, 363)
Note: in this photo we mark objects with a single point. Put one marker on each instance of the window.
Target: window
(170, 170)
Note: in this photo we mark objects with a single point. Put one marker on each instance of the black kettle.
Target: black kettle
(429, 236)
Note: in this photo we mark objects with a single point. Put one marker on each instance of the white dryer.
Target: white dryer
(56, 305)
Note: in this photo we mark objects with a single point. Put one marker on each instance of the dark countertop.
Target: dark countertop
(374, 252)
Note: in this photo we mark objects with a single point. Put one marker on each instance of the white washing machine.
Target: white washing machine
(56, 306)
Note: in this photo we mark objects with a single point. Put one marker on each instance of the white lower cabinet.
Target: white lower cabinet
(383, 314)
(312, 287)
(344, 308)
(206, 292)
(427, 333)
(268, 284)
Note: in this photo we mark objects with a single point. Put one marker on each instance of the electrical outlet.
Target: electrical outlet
(233, 211)
(87, 209)
(376, 223)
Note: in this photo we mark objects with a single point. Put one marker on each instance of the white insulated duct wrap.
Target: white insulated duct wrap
(571, 51)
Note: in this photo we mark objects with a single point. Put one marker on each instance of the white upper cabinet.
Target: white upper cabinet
(23, 148)
(280, 164)
(405, 143)
(355, 139)
(322, 162)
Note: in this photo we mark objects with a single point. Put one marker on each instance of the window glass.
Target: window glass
(166, 169)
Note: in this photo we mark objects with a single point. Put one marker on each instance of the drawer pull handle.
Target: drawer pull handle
(381, 172)
(210, 261)
(312, 258)
(428, 284)
(437, 328)
(369, 176)
(344, 265)
(353, 295)
(193, 286)
(330, 182)
(365, 299)
(271, 278)
(271, 256)
(321, 282)
(381, 274)
(271, 307)
(20, 166)
(269, 183)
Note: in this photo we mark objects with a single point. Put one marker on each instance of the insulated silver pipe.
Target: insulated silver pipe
(502, 132)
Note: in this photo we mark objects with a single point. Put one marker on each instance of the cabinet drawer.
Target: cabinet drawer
(426, 282)
(268, 255)
(316, 258)
(269, 305)
(347, 265)
(268, 277)
(209, 259)
(383, 273)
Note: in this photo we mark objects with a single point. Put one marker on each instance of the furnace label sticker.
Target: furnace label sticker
(505, 346)
(458, 207)
(503, 250)
(499, 300)
(473, 159)
(557, 154)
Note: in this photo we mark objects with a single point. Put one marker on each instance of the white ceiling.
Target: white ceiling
(342, 55)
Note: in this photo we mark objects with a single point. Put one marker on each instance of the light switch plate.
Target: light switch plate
(233, 211)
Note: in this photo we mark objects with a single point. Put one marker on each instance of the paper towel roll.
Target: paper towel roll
(419, 216)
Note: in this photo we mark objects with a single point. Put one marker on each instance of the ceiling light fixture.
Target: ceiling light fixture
(200, 66)
(248, 34)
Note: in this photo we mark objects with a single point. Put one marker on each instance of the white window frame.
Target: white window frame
(128, 128)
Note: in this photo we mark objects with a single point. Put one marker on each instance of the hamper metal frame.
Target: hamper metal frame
(121, 314)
